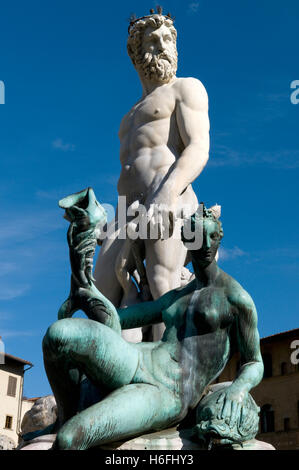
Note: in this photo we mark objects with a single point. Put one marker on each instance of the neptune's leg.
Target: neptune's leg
(129, 411)
(76, 346)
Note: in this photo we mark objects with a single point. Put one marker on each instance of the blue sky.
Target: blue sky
(69, 81)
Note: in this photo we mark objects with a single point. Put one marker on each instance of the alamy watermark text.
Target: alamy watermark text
(2, 92)
(295, 93)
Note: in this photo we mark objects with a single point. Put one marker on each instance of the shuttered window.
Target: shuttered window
(8, 422)
(12, 386)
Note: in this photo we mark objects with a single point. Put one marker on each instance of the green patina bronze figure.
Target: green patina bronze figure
(87, 217)
(108, 389)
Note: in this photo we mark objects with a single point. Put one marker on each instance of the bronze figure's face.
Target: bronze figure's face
(212, 233)
(210, 243)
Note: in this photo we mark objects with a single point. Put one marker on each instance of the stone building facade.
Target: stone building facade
(278, 393)
(12, 407)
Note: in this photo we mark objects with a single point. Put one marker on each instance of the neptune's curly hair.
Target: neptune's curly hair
(197, 219)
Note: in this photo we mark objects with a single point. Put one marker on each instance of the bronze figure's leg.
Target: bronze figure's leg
(75, 346)
(128, 411)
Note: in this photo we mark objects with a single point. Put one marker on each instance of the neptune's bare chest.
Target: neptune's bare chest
(149, 111)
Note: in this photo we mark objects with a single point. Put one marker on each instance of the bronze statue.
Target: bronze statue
(151, 386)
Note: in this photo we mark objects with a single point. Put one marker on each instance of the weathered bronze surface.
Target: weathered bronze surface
(121, 389)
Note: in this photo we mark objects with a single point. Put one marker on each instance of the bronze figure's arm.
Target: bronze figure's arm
(252, 368)
(146, 313)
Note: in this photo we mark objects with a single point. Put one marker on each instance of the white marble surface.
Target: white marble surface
(40, 443)
(164, 147)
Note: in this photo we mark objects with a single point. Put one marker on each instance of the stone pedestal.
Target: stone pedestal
(169, 439)
(39, 443)
(174, 439)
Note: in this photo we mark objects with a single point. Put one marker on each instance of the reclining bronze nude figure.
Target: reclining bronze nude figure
(108, 389)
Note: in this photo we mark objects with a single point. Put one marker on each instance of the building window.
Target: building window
(8, 422)
(283, 368)
(12, 386)
(267, 419)
(286, 424)
(267, 359)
